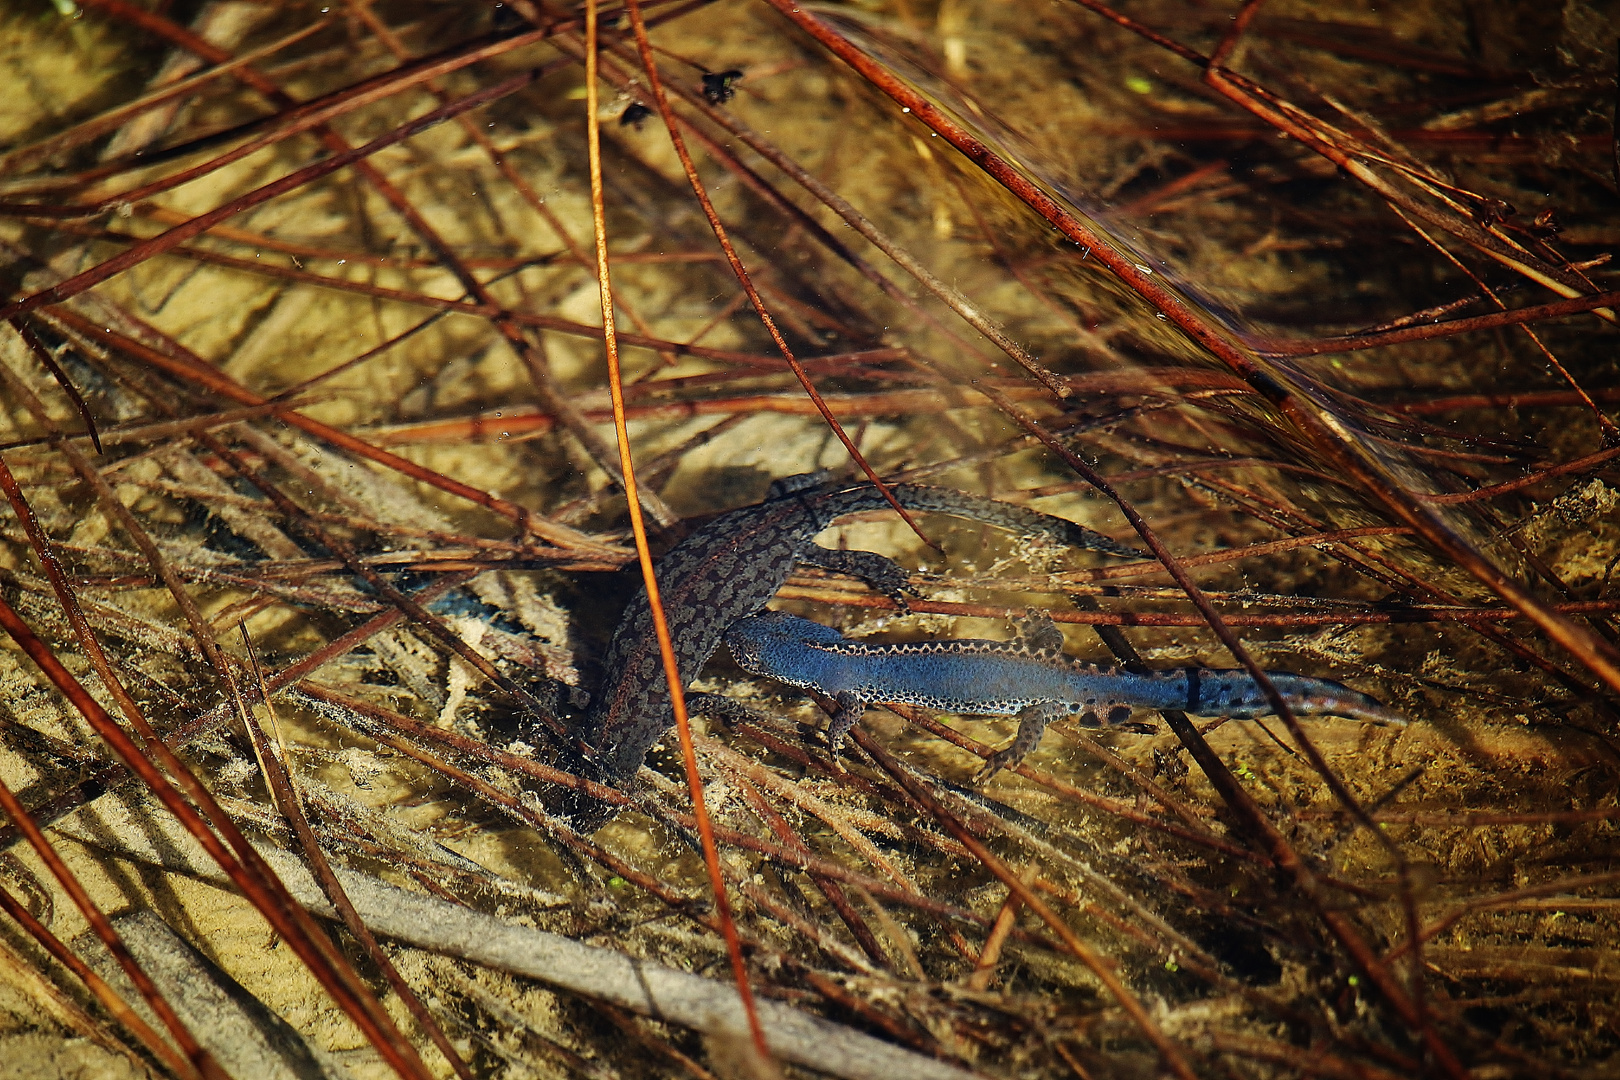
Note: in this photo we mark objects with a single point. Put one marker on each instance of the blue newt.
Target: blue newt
(1030, 678)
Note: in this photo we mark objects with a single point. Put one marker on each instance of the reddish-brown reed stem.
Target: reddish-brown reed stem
(1099, 966)
(247, 869)
(672, 674)
(741, 272)
(1327, 431)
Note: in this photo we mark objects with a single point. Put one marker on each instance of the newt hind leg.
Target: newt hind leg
(1039, 634)
(729, 711)
(851, 707)
(879, 571)
(1032, 723)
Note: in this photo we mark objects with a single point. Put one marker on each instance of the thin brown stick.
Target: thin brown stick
(115, 510)
(829, 888)
(666, 649)
(1327, 431)
(140, 252)
(1450, 327)
(247, 869)
(116, 1006)
(197, 1061)
(655, 83)
(1099, 966)
(20, 159)
(192, 369)
(984, 968)
(274, 764)
(43, 355)
(545, 711)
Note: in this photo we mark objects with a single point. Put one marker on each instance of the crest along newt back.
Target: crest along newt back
(1031, 679)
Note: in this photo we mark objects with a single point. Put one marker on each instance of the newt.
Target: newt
(1030, 678)
(729, 569)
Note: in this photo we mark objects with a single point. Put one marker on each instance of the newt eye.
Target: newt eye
(720, 87)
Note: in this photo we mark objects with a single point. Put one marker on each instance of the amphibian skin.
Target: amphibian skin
(1031, 679)
(731, 568)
